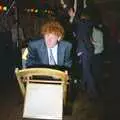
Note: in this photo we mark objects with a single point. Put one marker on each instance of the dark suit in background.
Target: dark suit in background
(85, 51)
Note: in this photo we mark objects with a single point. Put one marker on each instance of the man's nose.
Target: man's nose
(50, 38)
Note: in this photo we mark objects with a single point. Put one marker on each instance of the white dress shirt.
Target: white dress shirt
(54, 52)
(98, 41)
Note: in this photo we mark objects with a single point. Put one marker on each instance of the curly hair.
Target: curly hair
(53, 27)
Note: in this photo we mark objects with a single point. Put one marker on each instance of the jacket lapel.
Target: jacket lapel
(60, 54)
(44, 53)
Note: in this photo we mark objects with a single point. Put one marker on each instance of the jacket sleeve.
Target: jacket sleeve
(32, 55)
(68, 56)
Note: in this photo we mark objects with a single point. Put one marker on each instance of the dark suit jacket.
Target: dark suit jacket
(38, 54)
(84, 34)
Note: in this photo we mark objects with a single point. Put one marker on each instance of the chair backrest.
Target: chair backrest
(43, 101)
(26, 75)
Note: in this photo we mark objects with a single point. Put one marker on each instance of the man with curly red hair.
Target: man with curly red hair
(39, 51)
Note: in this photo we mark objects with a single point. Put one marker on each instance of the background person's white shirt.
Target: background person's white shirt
(97, 41)
(54, 52)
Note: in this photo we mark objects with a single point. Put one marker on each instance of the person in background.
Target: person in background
(17, 39)
(97, 61)
(84, 50)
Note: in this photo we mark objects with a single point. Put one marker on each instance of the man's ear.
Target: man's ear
(59, 39)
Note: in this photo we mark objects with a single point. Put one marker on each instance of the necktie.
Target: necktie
(52, 60)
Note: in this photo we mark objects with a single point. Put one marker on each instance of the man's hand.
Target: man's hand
(71, 12)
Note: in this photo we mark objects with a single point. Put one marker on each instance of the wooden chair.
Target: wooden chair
(37, 76)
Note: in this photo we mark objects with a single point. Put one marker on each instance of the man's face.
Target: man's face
(51, 39)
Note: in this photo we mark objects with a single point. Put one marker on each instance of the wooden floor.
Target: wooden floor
(107, 107)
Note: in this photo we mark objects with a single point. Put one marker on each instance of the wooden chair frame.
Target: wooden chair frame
(24, 76)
